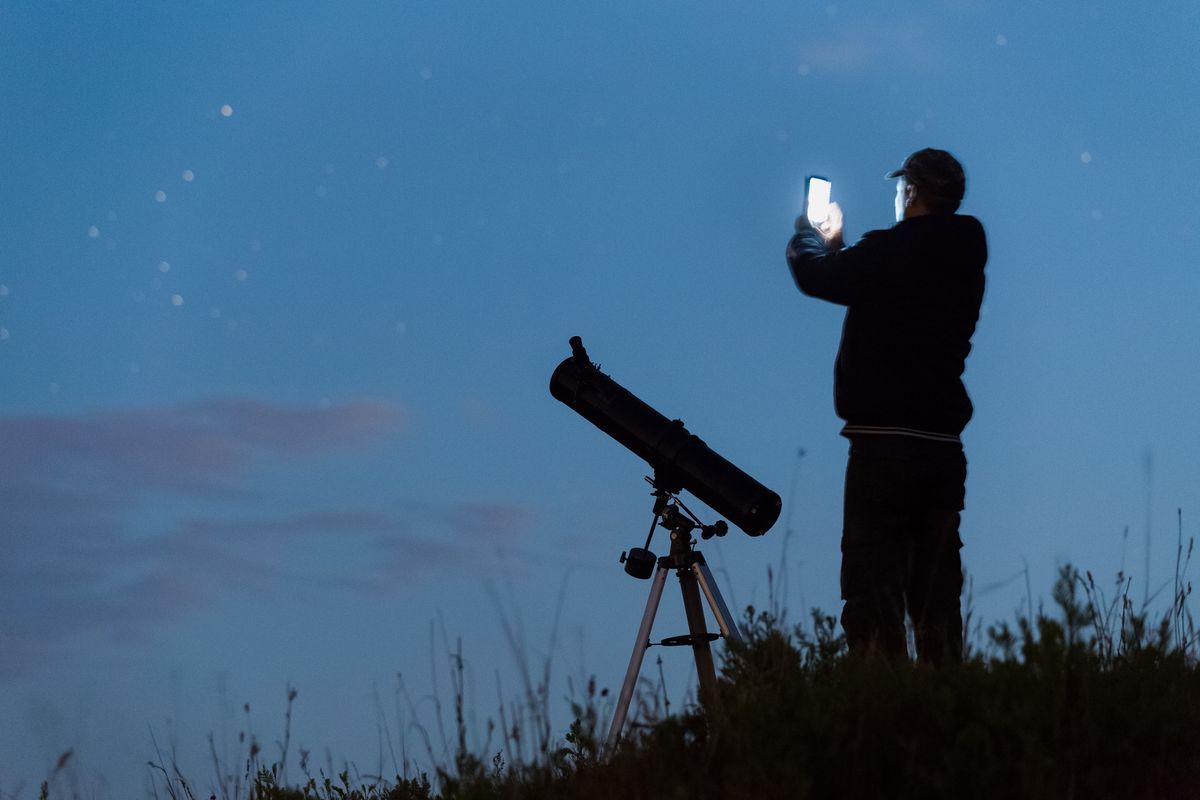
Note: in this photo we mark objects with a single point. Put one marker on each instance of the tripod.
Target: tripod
(694, 577)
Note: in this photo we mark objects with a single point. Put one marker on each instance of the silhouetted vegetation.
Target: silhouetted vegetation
(1092, 700)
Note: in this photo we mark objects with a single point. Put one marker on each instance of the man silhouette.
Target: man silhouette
(912, 294)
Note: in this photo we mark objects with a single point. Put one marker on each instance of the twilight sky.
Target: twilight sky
(282, 286)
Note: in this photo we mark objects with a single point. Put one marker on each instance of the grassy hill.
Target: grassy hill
(1092, 700)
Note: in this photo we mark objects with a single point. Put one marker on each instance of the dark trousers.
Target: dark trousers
(900, 546)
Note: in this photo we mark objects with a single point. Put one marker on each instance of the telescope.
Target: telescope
(680, 459)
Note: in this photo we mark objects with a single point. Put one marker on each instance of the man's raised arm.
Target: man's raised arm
(824, 269)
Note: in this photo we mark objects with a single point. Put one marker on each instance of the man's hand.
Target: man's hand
(831, 228)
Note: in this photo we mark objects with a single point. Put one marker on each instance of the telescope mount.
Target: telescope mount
(694, 578)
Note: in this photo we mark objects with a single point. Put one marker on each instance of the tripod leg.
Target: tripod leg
(635, 661)
(716, 602)
(705, 670)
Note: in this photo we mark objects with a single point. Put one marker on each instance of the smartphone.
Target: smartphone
(817, 191)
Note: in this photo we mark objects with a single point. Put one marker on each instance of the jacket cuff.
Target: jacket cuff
(806, 241)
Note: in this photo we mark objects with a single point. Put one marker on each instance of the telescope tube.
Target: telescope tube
(681, 460)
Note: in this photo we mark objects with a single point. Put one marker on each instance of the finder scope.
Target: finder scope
(681, 460)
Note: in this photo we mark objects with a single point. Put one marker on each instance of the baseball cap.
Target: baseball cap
(935, 171)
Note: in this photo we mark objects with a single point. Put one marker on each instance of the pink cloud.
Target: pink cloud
(298, 430)
(186, 448)
(92, 547)
(477, 521)
(78, 557)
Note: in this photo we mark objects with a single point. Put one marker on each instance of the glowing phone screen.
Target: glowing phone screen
(817, 194)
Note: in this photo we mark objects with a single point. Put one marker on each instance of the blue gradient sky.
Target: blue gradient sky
(273, 427)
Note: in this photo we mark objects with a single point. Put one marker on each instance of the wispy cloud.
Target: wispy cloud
(116, 522)
(863, 48)
(184, 448)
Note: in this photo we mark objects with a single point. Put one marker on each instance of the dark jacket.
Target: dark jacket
(912, 294)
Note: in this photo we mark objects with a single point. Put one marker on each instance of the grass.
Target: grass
(1091, 700)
